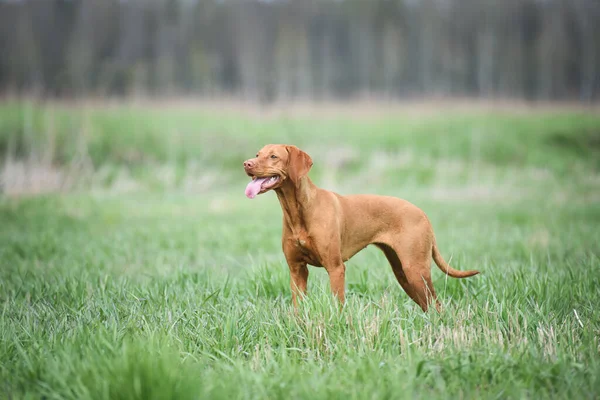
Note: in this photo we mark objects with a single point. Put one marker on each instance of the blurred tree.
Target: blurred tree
(286, 49)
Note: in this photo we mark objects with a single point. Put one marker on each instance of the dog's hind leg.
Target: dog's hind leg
(414, 275)
(394, 261)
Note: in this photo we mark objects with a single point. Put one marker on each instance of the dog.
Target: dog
(324, 229)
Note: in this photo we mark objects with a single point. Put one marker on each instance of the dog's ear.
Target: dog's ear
(299, 164)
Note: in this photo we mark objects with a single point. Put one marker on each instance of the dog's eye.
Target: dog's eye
(256, 155)
(273, 156)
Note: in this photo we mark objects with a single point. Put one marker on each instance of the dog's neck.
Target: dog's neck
(295, 200)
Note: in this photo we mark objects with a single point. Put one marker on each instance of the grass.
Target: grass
(151, 276)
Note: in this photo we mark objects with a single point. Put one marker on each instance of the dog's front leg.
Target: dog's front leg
(337, 279)
(298, 277)
(298, 281)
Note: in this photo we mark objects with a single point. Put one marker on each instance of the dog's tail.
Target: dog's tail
(443, 265)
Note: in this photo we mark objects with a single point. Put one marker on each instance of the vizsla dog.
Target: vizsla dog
(324, 229)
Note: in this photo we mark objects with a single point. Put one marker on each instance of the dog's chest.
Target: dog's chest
(303, 245)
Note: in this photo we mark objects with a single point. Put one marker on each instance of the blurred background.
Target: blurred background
(269, 51)
(143, 95)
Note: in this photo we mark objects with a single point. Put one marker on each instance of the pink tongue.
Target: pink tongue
(254, 187)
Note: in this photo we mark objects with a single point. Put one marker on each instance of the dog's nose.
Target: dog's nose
(248, 164)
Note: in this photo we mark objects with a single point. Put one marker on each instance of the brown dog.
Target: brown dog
(324, 229)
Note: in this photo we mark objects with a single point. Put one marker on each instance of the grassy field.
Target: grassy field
(133, 267)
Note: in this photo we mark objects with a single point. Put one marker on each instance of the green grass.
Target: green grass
(176, 287)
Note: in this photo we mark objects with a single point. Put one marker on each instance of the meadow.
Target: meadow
(132, 266)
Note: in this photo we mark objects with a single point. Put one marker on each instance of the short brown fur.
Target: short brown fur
(324, 229)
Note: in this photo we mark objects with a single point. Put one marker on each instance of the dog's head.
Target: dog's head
(274, 166)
